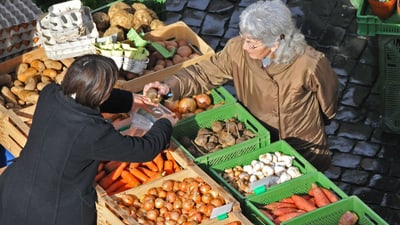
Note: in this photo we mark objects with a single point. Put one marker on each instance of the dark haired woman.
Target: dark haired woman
(52, 180)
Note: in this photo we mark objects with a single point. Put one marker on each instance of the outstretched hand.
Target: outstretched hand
(162, 88)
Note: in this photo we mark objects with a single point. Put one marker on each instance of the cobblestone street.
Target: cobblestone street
(366, 161)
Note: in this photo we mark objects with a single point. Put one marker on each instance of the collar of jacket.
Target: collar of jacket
(68, 100)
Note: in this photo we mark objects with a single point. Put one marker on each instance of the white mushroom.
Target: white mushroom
(267, 170)
(293, 172)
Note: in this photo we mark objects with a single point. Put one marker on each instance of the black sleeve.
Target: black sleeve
(120, 101)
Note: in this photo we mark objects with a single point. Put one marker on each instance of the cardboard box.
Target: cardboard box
(191, 171)
(177, 31)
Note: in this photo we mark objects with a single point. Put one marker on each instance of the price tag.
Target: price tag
(259, 186)
(221, 212)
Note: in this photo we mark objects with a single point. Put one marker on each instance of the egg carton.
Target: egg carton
(71, 48)
(17, 17)
(66, 21)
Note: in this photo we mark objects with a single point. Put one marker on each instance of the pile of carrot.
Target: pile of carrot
(297, 204)
(115, 176)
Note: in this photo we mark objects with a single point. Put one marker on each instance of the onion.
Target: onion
(152, 214)
(187, 105)
(203, 101)
(171, 196)
(204, 188)
(188, 204)
(167, 185)
(172, 105)
(148, 205)
(128, 199)
(159, 203)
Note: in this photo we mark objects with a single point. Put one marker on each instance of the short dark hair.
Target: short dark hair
(90, 78)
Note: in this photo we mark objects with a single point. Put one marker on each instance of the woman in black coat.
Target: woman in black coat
(52, 180)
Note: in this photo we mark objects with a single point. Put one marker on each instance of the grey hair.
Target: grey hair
(270, 21)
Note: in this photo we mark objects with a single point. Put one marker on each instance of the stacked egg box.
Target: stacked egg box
(17, 27)
(67, 30)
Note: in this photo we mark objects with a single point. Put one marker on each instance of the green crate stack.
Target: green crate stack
(330, 214)
(389, 69)
(282, 146)
(370, 25)
(300, 185)
(186, 130)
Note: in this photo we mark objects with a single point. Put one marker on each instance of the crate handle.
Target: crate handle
(368, 217)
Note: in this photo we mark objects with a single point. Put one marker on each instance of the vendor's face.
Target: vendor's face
(255, 48)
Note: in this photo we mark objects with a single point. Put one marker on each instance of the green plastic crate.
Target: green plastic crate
(370, 25)
(186, 130)
(331, 214)
(221, 96)
(389, 66)
(231, 161)
(300, 185)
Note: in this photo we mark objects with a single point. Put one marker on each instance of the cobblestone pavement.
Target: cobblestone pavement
(365, 158)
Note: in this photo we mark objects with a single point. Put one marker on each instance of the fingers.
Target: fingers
(162, 88)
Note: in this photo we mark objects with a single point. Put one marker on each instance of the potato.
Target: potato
(184, 51)
(120, 6)
(115, 30)
(123, 19)
(53, 64)
(31, 71)
(102, 20)
(38, 65)
(52, 73)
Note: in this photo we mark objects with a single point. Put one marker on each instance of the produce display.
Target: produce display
(121, 17)
(221, 134)
(115, 177)
(273, 168)
(22, 88)
(297, 204)
(189, 201)
(186, 106)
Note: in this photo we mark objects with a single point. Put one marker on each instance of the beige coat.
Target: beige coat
(291, 99)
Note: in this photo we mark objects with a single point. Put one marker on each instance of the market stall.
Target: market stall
(242, 179)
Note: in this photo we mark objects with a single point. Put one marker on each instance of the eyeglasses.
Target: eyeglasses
(249, 44)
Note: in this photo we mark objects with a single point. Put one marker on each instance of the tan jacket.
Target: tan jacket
(291, 99)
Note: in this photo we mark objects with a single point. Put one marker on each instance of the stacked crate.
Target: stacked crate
(17, 27)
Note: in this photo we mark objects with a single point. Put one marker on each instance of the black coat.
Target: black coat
(52, 180)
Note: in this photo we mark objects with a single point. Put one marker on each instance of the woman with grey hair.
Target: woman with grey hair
(289, 86)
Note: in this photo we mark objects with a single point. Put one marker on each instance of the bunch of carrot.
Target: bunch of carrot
(115, 176)
(297, 204)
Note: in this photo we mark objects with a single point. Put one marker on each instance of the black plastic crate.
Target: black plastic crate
(389, 67)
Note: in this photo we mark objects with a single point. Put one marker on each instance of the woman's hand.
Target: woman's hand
(161, 88)
(140, 101)
(171, 117)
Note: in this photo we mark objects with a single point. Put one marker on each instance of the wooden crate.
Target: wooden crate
(15, 124)
(105, 216)
(191, 171)
(177, 31)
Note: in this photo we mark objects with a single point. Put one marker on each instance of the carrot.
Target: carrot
(117, 172)
(111, 165)
(302, 203)
(287, 200)
(289, 216)
(100, 167)
(171, 158)
(106, 181)
(330, 195)
(319, 196)
(283, 211)
(168, 166)
(276, 205)
(159, 161)
(139, 174)
(121, 189)
(99, 175)
(154, 177)
(151, 165)
(130, 179)
(266, 213)
(114, 186)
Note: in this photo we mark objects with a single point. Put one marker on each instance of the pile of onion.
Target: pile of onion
(188, 106)
(186, 202)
